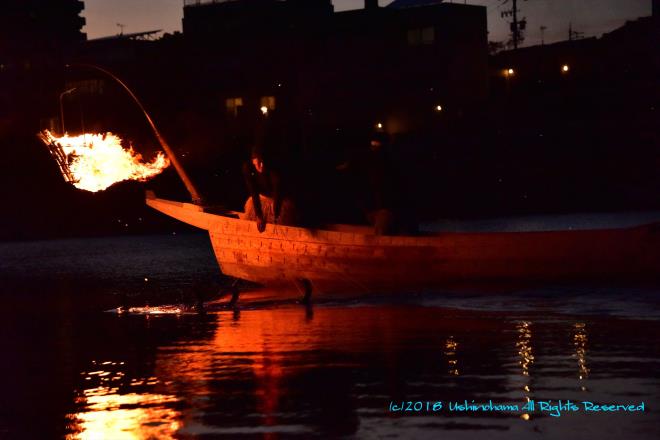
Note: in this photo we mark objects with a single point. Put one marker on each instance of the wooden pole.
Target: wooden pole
(194, 194)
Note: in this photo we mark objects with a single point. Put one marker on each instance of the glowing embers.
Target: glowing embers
(94, 162)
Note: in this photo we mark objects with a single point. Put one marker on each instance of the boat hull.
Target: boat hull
(354, 261)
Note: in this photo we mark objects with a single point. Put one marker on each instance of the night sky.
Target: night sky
(593, 17)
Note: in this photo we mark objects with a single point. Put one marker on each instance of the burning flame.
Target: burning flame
(94, 162)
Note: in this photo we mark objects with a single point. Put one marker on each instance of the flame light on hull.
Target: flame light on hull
(94, 162)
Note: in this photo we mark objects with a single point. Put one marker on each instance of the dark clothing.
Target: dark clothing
(375, 178)
(267, 183)
(380, 177)
(380, 192)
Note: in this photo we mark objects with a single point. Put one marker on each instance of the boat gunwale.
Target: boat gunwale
(218, 223)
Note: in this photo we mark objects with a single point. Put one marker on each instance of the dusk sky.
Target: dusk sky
(593, 17)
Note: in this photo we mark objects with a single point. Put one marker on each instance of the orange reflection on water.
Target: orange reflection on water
(259, 346)
(580, 344)
(524, 346)
(109, 415)
(262, 340)
(451, 347)
(249, 359)
(526, 357)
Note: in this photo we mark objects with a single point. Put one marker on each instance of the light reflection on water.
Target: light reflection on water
(580, 342)
(277, 370)
(108, 415)
(526, 359)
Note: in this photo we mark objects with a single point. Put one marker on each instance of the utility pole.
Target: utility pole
(514, 28)
(573, 35)
(121, 28)
(517, 27)
(543, 28)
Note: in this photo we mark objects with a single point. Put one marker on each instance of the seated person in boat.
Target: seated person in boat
(376, 189)
(268, 201)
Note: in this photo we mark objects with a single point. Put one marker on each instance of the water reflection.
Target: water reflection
(283, 371)
(276, 372)
(526, 359)
(116, 406)
(108, 415)
(451, 347)
(524, 346)
(580, 344)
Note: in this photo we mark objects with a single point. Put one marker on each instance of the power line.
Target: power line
(517, 26)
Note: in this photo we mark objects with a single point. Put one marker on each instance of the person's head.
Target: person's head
(377, 141)
(257, 158)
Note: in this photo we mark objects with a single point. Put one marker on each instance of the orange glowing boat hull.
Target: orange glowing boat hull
(350, 259)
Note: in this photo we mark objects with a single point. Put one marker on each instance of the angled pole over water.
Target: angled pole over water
(194, 194)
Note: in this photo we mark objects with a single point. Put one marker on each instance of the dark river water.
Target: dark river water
(457, 365)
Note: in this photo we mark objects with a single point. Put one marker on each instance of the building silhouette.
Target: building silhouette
(386, 68)
(36, 36)
(39, 25)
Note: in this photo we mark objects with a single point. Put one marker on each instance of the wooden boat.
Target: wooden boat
(343, 258)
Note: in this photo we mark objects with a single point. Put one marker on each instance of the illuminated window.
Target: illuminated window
(233, 105)
(421, 36)
(268, 102)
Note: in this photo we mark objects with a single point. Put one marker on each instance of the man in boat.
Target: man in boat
(269, 201)
(377, 191)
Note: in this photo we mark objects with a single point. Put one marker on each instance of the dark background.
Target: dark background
(539, 141)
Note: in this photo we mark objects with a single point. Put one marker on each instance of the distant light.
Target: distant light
(379, 125)
(510, 72)
(565, 68)
(438, 108)
(264, 109)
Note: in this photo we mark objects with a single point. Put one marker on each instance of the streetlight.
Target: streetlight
(565, 68)
(438, 108)
(66, 92)
(509, 72)
(379, 125)
(264, 110)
